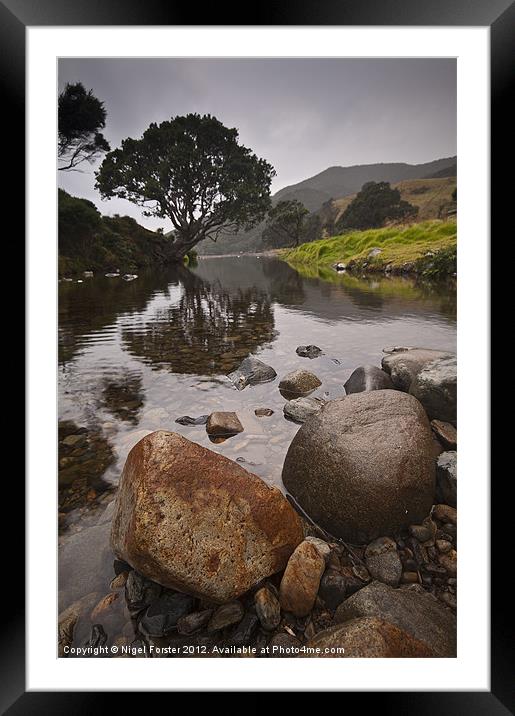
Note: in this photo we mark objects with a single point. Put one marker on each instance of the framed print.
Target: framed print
(257, 311)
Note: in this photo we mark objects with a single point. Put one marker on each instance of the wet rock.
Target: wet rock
(268, 608)
(194, 622)
(223, 424)
(300, 409)
(321, 546)
(245, 630)
(119, 581)
(284, 646)
(171, 489)
(424, 533)
(332, 465)
(103, 606)
(68, 620)
(162, 615)
(368, 377)
(308, 351)
(97, 638)
(298, 383)
(74, 441)
(225, 616)
(251, 372)
(188, 420)
(445, 514)
(301, 580)
(436, 388)
(333, 588)
(447, 478)
(367, 637)
(404, 364)
(140, 591)
(263, 412)
(449, 561)
(383, 561)
(412, 609)
(446, 434)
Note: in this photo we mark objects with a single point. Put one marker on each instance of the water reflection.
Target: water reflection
(122, 396)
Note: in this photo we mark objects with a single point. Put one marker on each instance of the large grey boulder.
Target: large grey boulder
(404, 364)
(363, 467)
(436, 387)
(251, 371)
(368, 377)
(300, 409)
(415, 611)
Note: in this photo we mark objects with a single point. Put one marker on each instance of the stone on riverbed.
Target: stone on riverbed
(301, 579)
(364, 467)
(368, 637)
(300, 409)
(383, 561)
(188, 420)
(308, 351)
(192, 520)
(436, 388)
(298, 383)
(223, 424)
(268, 608)
(251, 372)
(404, 365)
(447, 478)
(368, 377)
(263, 412)
(225, 616)
(414, 610)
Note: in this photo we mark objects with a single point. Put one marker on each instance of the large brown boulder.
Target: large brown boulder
(364, 466)
(367, 638)
(193, 520)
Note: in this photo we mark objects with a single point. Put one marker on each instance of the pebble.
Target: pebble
(449, 561)
(263, 412)
(333, 589)
(443, 545)
(162, 615)
(103, 605)
(301, 580)
(245, 630)
(268, 608)
(446, 434)
(409, 578)
(445, 514)
(188, 420)
(226, 615)
(449, 599)
(194, 622)
(383, 561)
(220, 424)
(119, 581)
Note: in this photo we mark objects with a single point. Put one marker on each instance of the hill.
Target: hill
(334, 182)
(89, 241)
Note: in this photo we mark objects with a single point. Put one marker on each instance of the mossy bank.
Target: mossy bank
(427, 248)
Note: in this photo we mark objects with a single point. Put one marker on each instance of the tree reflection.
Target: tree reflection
(122, 395)
(208, 331)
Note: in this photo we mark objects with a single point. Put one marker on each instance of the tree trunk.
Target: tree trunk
(180, 247)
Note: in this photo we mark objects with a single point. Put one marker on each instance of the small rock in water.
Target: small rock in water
(119, 581)
(383, 561)
(139, 591)
(284, 645)
(194, 622)
(188, 420)
(298, 383)
(263, 412)
(368, 377)
(226, 615)
(103, 606)
(163, 614)
(268, 608)
(446, 434)
(223, 424)
(300, 409)
(308, 351)
(446, 478)
(301, 580)
(251, 372)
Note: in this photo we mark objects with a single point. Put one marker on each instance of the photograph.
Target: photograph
(257, 357)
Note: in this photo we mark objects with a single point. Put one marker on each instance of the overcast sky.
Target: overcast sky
(302, 115)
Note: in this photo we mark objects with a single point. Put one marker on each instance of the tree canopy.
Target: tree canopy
(285, 224)
(192, 170)
(81, 116)
(375, 204)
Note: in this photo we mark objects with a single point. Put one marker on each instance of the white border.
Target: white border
(471, 669)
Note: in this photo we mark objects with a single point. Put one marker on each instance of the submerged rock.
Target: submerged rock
(300, 409)
(188, 420)
(193, 520)
(367, 637)
(436, 388)
(263, 412)
(308, 351)
(251, 372)
(414, 610)
(223, 424)
(404, 364)
(368, 377)
(298, 383)
(363, 467)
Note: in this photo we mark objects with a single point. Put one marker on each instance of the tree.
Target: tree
(375, 204)
(192, 170)
(285, 224)
(80, 117)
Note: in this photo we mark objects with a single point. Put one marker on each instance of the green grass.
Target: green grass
(400, 246)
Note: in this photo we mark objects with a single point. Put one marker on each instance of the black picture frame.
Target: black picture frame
(499, 15)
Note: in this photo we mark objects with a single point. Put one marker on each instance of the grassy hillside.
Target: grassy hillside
(402, 248)
(89, 241)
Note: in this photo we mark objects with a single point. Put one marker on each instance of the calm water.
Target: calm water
(135, 356)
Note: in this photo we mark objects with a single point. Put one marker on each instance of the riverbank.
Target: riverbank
(426, 249)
